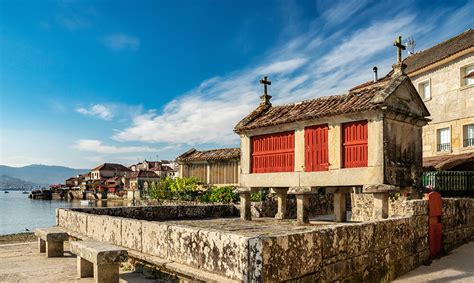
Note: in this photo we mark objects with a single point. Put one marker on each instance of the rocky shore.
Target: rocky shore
(17, 238)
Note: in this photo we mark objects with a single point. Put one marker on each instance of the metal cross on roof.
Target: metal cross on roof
(398, 43)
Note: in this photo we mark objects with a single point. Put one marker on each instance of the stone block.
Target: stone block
(132, 234)
(183, 245)
(367, 240)
(382, 234)
(105, 228)
(155, 239)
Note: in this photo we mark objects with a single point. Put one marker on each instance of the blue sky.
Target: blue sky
(84, 82)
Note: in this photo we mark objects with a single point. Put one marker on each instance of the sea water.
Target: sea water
(19, 213)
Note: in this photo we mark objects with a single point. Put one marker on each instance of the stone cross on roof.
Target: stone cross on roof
(265, 97)
(398, 43)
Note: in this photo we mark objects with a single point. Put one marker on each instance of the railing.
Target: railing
(444, 146)
(469, 142)
(450, 183)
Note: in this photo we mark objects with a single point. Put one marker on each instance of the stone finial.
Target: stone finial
(265, 98)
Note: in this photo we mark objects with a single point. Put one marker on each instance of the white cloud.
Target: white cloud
(97, 110)
(98, 147)
(121, 42)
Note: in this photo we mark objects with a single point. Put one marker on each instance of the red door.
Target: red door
(435, 233)
(354, 144)
(273, 153)
(316, 148)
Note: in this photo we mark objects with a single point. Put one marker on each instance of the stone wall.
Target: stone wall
(363, 207)
(458, 222)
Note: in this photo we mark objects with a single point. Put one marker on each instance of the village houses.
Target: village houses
(357, 140)
(136, 182)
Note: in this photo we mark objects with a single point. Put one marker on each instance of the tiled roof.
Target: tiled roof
(142, 174)
(440, 51)
(446, 162)
(210, 155)
(364, 98)
(111, 167)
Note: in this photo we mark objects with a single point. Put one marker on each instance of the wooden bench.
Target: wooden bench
(98, 260)
(51, 240)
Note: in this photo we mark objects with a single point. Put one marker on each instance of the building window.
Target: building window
(316, 148)
(425, 89)
(467, 75)
(468, 135)
(444, 139)
(273, 153)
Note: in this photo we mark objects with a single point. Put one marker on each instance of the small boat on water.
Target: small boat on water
(25, 192)
(6, 192)
(43, 194)
(87, 202)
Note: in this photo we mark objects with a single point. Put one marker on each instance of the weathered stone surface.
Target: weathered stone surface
(105, 228)
(132, 234)
(52, 234)
(155, 238)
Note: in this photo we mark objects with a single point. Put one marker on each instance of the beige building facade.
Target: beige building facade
(444, 77)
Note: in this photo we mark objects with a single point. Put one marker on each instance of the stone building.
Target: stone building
(213, 167)
(108, 170)
(444, 77)
(369, 138)
(136, 182)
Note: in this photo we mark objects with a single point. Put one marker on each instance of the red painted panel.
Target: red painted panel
(435, 235)
(316, 148)
(354, 144)
(273, 153)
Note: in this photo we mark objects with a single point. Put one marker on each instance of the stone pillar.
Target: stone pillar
(54, 249)
(340, 206)
(380, 205)
(245, 213)
(302, 208)
(106, 273)
(41, 245)
(281, 199)
(84, 268)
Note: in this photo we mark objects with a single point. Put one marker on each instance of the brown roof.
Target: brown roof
(111, 167)
(446, 162)
(440, 51)
(362, 99)
(142, 174)
(209, 155)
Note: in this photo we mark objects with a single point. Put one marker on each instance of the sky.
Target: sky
(87, 82)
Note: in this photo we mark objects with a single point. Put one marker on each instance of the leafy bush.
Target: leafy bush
(220, 194)
(174, 189)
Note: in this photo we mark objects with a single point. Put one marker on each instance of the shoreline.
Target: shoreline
(17, 238)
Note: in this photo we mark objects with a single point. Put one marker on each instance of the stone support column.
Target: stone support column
(54, 249)
(380, 205)
(106, 273)
(41, 245)
(281, 200)
(302, 208)
(84, 268)
(340, 206)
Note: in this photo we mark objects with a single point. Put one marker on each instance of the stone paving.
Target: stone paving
(22, 263)
(458, 266)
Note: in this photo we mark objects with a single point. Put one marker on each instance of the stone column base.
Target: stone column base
(41, 245)
(84, 268)
(54, 249)
(106, 273)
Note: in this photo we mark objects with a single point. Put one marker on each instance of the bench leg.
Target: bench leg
(54, 249)
(41, 245)
(105, 273)
(85, 268)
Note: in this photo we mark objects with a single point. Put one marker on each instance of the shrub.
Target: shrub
(220, 194)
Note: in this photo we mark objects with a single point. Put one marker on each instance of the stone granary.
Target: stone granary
(219, 167)
(369, 139)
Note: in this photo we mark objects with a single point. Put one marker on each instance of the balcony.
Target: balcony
(444, 147)
(469, 142)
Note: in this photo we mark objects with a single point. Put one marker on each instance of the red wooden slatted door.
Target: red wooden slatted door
(316, 148)
(273, 153)
(354, 144)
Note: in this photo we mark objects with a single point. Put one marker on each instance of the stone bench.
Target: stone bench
(98, 260)
(51, 240)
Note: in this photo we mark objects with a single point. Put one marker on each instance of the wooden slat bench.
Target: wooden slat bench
(99, 260)
(51, 240)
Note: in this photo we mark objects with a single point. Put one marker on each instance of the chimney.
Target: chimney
(376, 78)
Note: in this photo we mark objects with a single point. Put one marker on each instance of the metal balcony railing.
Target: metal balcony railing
(469, 142)
(444, 146)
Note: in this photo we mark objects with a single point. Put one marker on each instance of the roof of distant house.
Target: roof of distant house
(440, 51)
(209, 155)
(142, 174)
(111, 167)
(364, 98)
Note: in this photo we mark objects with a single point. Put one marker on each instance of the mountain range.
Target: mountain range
(35, 175)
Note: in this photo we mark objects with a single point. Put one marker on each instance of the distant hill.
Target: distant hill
(11, 183)
(41, 174)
